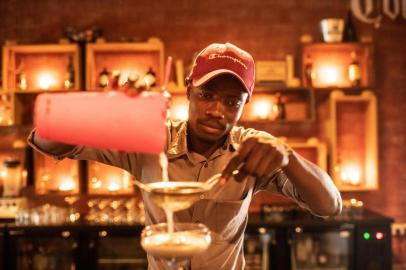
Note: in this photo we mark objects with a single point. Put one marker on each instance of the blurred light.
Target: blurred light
(263, 109)
(96, 183)
(3, 173)
(180, 112)
(379, 235)
(328, 75)
(113, 186)
(126, 180)
(45, 81)
(344, 234)
(351, 175)
(298, 230)
(67, 184)
(366, 235)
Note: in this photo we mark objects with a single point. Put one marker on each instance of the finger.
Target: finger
(262, 167)
(245, 148)
(274, 165)
(232, 165)
(255, 156)
(240, 176)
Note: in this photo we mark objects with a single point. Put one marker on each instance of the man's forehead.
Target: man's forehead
(226, 84)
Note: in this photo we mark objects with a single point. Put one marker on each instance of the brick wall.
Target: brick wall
(269, 29)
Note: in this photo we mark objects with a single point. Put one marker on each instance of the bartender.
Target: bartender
(219, 85)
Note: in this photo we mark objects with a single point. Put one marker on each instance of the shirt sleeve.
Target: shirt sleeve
(279, 183)
(110, 157)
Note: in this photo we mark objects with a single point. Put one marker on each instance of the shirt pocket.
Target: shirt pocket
(225, 218)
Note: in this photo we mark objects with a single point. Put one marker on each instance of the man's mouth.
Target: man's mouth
(211, 127)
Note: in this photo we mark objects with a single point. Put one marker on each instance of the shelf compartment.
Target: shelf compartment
(127, 58)
(105, 179)
(40, 67)
(352, 130)
(312, 149)
(55, 177)
(327, 65)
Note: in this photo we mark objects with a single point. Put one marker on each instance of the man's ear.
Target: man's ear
(188, 93)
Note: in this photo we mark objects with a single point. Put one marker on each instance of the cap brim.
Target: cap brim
(211, 75)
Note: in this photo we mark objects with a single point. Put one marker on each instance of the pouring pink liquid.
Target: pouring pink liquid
(109, 120)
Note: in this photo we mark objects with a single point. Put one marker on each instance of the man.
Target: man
(220, 83)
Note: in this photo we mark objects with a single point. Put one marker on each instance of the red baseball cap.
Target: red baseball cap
(217, 59)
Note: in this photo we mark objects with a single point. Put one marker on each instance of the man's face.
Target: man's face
(215, 107)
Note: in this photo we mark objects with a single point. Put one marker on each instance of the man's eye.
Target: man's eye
(233, 102)
(205, 95)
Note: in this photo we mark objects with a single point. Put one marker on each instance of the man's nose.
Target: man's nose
(216, 109)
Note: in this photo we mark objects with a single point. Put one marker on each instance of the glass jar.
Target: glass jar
(12, 178)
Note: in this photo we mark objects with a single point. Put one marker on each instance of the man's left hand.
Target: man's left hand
(258, 157)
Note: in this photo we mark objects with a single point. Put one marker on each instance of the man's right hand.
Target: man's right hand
(52, 147)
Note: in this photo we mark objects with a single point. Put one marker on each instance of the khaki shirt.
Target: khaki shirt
(223, 209)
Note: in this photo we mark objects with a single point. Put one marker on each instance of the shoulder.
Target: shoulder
(239, 134)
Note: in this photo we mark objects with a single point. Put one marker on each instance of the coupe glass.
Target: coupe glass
(176, 248)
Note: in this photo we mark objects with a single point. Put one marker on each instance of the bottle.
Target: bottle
(350, 33)
(150, 78)
(280, 107)
(354, 71)
(104, 78)
(21, 78)
(115, 81)
(308, 71)
(12, 181)
(70, 74)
